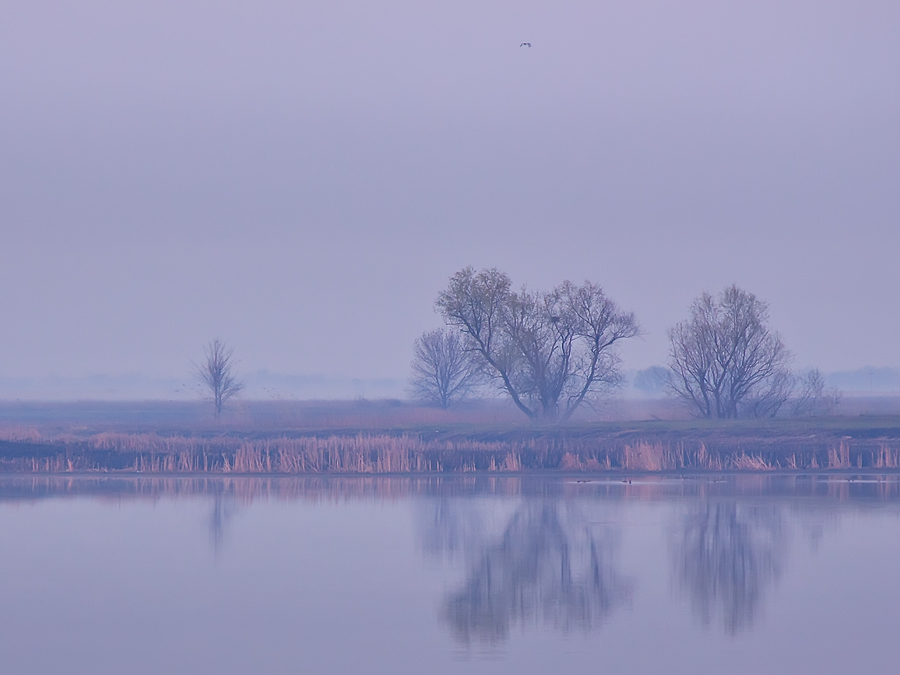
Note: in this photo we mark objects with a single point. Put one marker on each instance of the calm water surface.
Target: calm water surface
(736, 574)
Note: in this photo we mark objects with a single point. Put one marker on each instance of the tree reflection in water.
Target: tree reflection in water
(726, 556)
(550, 564)
(223, 508)
(454, 529)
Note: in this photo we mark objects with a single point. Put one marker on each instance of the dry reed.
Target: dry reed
(27, 450)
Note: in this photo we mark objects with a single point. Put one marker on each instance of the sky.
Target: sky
(301, 179)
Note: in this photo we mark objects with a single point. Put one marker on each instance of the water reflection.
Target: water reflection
(458, 529)
(726, 557)
(223, 509)
(537, 551)
(553, 563)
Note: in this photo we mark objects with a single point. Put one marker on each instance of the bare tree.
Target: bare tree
(725, 361)
(443, 371)
(217, 374)
(550, 352)
(812, 397)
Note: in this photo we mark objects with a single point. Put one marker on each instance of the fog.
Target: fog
(301, 179)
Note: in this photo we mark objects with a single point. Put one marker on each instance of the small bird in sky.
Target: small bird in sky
(525, 44)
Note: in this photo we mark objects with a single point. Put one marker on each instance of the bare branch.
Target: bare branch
(812, 397)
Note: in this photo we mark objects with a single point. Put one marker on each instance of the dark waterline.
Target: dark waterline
(485, 574)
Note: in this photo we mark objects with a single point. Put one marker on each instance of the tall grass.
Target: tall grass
(24, 450)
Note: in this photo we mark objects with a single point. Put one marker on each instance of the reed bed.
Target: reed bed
(28, 451)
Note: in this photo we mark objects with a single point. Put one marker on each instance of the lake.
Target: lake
(487, 574)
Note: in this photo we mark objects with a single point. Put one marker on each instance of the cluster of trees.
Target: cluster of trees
(725, 362)
(552, 352)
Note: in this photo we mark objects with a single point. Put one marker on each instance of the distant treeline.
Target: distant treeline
(658, 449)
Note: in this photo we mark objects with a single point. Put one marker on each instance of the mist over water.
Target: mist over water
(740, 574)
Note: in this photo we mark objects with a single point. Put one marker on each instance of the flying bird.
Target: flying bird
(525, 44)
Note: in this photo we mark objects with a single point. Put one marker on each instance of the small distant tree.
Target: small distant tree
(216, 373)
(726, 361)
(443, 371)
(651, 381)
(812, 397)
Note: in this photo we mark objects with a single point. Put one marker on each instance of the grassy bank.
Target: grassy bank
(863, 443)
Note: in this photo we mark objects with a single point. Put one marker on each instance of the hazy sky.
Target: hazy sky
(301, 178)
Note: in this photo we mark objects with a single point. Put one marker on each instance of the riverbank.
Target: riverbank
(836, 444)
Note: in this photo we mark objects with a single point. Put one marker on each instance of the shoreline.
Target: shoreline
(579, 477)
(792, 447)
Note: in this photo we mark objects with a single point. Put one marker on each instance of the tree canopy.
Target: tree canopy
(549, 351)
(726, 361)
